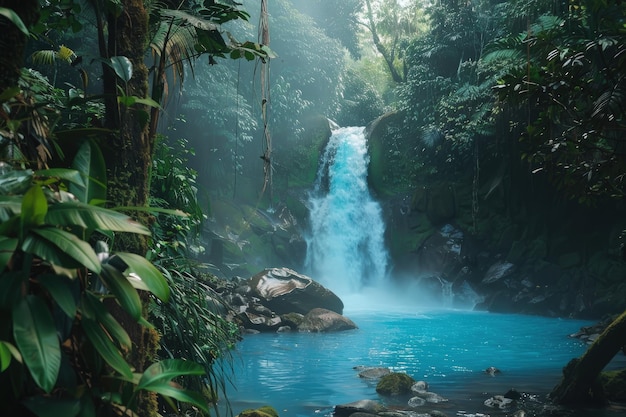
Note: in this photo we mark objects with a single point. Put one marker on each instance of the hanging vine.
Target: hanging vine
(264, 39)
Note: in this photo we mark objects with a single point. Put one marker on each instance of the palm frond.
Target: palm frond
(49, 56)
(187, 18)
(45, 57)
(546, 23)
(502, 55)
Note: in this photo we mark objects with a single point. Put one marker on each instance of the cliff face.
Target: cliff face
(493, 231)
(483, 232)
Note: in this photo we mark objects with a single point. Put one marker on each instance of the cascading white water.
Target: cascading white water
(345, 249)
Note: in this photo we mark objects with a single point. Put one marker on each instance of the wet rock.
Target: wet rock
(420, 386)
(498, 271)
(322, 320)
(373, 373)
(513, 394)
(286, 291)
(493, 371)
(362, 406)
(416, 402)
(292, 320)
(431, 397)
(265, 411)
(395, 383)
(498, 401)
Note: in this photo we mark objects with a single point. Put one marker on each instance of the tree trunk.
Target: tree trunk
(13, 41)
(580, 383)
(388, 57)
(128, 156)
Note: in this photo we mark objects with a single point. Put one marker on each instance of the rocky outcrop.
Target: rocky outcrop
(286, 291)
(282, 300)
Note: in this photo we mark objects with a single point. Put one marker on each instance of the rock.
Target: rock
(513, 394)
(416, 402)
(420, 386)
(286, 291)
(431, 397)
(322, 320)
(437, 413)
(498, 401)
(395, 383)
(492, 370)
(265, 411)
(263, 322)
(441, 205)
(292, 320)
(497, 271)
(373, 373)
(362, 406)
(402, 413)
(283, 329)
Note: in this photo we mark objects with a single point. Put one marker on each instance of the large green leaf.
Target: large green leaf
(36, 337)
(147, 276)
(14, 18)
(70, 246)
(15, 182)
(34, 207)
(95, 310)
(93, 217)
(7, 350)
(105, 347)
(71, 175)
(166, 370)
(90, 162)
(122, 289)
(60, 288)
(7, 247)
(5, 356)
(122, 67)
(158, 376)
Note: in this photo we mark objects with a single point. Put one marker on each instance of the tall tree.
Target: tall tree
(391, 26)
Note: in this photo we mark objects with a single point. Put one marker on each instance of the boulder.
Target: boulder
(322, 320)
(265, 411)
(395, 383)
(362, 406)
(284, 291)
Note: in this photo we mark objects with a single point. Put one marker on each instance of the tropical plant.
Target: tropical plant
(572, 90)
(192, 324)
(63, 350)
(173, 186)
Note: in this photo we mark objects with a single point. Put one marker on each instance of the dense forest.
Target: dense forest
(148, 151)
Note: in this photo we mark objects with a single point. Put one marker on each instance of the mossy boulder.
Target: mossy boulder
(265, 411)
(614, 384)
(395, 383)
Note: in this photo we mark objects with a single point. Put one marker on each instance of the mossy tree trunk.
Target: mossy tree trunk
(128, 155)
(581, 382)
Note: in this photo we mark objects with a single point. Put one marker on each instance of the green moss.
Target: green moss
(614, 384)
(265, 411)
(395, 384)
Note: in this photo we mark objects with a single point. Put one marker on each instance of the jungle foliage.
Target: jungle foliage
(75, 339)
(548, 73)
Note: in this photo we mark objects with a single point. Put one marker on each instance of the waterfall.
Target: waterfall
(345, 249)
